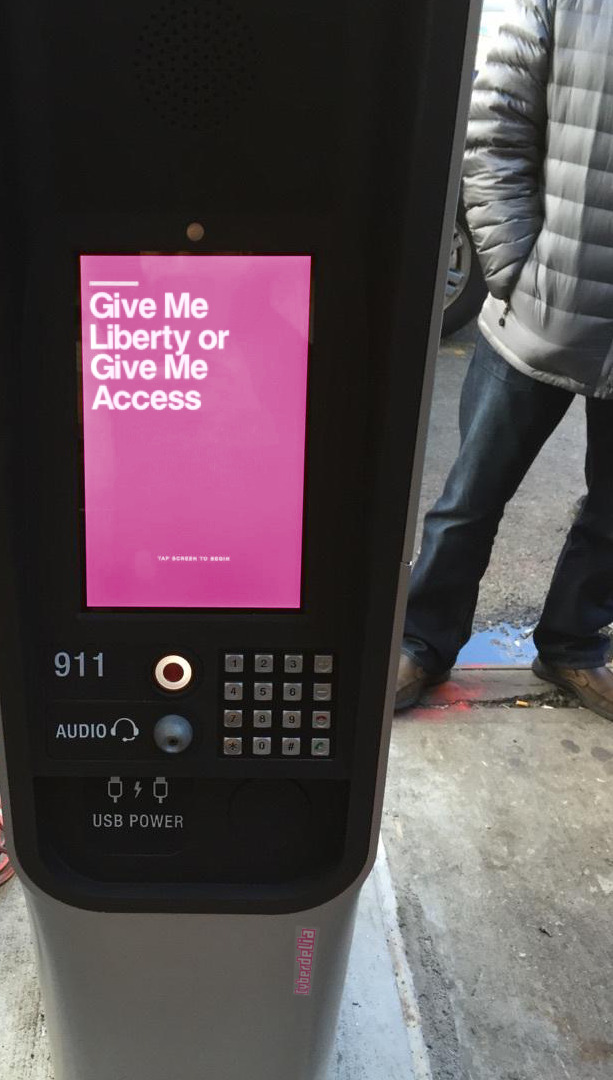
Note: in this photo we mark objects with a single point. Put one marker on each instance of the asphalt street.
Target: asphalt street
(537, 519)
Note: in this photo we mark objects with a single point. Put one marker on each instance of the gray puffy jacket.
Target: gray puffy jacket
(538, 187)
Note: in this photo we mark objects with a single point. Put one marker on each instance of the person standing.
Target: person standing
(538, 190)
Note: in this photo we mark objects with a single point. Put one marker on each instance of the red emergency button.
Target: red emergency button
(173, 673)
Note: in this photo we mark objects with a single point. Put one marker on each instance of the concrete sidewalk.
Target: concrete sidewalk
(499, 831)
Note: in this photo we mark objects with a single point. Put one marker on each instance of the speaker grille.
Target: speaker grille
(195, 62)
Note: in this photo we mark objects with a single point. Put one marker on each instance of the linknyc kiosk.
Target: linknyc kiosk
(221, 229)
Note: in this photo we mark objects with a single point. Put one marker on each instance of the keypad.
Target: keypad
(289, 687)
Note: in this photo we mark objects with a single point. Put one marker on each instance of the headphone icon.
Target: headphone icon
(135, 731)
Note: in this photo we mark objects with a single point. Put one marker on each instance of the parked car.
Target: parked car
(466, 289)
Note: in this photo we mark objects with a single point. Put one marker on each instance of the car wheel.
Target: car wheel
(465, 290)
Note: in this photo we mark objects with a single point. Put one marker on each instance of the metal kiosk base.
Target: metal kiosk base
(191, 997)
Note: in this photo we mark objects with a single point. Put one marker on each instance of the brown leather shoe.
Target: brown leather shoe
(593, 686)
(412, 681)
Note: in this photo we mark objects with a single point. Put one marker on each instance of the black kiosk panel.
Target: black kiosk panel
(222, 245)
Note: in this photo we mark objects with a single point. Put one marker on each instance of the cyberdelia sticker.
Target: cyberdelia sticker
(306, 942)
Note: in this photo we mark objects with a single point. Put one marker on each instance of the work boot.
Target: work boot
(413, 681)
(593, 686)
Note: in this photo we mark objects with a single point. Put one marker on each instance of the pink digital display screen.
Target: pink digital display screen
(194, 425)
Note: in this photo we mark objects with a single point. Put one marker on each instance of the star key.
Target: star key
(233, 747)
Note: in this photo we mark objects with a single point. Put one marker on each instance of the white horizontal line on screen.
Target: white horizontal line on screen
(114, 283)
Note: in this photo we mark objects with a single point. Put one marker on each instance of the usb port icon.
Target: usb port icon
(115, 788)
(160, 789)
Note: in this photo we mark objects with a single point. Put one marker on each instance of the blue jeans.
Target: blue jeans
(505, 419)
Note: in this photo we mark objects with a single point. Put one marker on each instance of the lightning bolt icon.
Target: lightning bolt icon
(138, 787)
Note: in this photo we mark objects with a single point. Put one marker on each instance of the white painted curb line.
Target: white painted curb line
(418, 1051)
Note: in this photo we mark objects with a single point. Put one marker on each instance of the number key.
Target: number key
(292, 719)
(262, 747)
(294, 663)
(232, 718)
(262, 718)
(262, 691)
(264, 662)
(292, 691)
